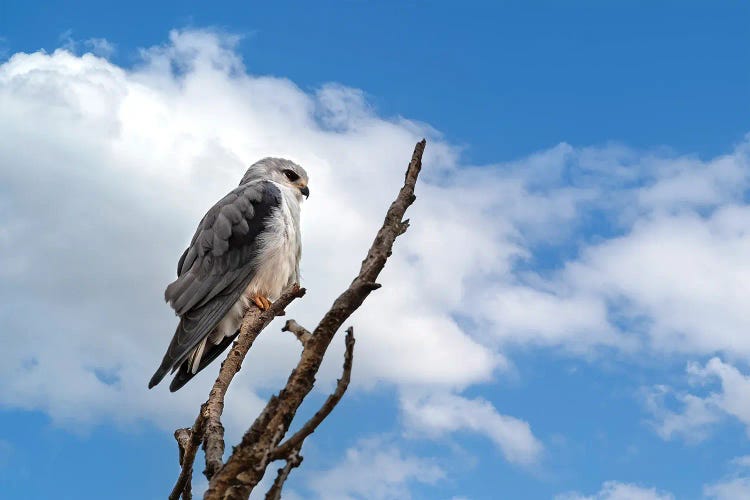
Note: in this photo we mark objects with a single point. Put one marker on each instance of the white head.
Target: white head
(284, 172)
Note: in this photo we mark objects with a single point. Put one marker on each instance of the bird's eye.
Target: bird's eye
(291, 175)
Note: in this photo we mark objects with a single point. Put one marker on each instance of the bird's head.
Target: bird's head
(284, 172)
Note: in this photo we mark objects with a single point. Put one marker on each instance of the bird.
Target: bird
(245, 251)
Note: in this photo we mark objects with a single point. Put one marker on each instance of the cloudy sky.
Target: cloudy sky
(567, 317)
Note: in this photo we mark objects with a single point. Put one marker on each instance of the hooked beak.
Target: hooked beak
(305, 190)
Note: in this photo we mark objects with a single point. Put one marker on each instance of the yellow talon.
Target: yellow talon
(262, 302)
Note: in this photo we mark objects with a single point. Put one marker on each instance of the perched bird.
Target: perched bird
(246, 250)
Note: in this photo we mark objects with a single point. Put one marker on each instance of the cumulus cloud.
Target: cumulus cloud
(658, 260)
(684, 275)
(106, 171)
(439, 414)
(376, 470)
(614, 490)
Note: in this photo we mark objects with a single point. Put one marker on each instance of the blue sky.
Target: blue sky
(580, 258)
(648, 76)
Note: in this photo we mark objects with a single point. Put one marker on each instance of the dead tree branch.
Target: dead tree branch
(298, 330)
(249, 460)
(207, 427)
(289, 450)
(295, 442)
(260, 446)
(188, 441)
(294, 460)
(252, 324)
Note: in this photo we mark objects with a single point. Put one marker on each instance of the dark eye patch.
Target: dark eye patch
(291, 175)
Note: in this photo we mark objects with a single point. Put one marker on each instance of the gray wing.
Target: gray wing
(217, 266)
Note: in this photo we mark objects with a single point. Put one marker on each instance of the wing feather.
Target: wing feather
(217, 266)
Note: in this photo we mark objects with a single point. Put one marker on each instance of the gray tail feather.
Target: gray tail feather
(167, 363)
(184, 373)
(171, 361)
(158, 375)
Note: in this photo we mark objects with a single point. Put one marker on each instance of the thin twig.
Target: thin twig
(183, 438)
(298, 330)
(188, 441)
(293, 460)
(295, 442)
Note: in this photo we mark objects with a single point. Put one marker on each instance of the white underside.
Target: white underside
(278, 267)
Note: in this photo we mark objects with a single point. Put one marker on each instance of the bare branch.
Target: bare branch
(183, 437)
(293, 460)
(252, 324)
(188, 441)
(247, 464)
(295, 442)
(298, 330)
(207, 426)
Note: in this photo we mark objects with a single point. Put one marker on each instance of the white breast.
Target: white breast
(277, 261)
(280, 248)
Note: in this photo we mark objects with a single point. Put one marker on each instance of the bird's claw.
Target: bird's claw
(262, 302)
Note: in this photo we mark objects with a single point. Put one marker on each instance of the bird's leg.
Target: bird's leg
(261, 301)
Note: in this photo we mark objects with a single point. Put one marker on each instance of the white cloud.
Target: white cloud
(105, 172)
(96, 46)
(100, 47)
(700, 412)
(728, 489)
(614, 490)
(693, 422)
(734, 485)
(559, 317)
(650, 251)
(375, 470)
(685, 275)
(666, 269)
(734, 396)
(438, 414)
(690, 183)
